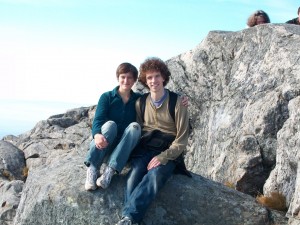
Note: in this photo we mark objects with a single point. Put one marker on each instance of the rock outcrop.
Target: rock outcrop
(244, 92)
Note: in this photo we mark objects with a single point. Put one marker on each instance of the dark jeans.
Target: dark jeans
(143, 185)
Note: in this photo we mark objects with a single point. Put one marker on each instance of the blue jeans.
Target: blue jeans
(118, 150)
(143, 185)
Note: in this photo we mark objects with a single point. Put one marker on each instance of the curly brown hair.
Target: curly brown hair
(154, 64)
(252, 20)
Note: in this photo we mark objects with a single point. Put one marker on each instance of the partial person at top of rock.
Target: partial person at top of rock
(258, 17)
(296, 20)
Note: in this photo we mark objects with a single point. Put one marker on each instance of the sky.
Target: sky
(56, 55)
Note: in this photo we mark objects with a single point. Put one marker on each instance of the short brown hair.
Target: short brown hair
(154, 64)
(127, 68)
(298, 10)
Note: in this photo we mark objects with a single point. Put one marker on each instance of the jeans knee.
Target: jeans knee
(109, 128)
(111, 124)
(154, 174)
(135, 128)
(157, 176)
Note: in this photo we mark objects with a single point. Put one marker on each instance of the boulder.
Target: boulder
(243, 89)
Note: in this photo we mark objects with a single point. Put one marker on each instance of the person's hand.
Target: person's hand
(184, 101)
(100, 141)
(153, 163)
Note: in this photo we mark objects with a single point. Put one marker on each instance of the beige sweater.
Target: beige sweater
(160, 119)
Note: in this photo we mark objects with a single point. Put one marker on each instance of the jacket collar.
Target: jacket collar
(116, 93)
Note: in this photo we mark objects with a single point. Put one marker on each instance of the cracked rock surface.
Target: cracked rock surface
(243, 89)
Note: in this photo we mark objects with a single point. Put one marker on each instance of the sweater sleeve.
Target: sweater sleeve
(182, 134)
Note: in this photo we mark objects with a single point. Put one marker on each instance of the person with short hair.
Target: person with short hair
(257, 18)
(160, 149)
(115, 130)
(296, 20)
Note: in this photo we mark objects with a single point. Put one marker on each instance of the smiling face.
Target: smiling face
(126, 81)
(155, 81)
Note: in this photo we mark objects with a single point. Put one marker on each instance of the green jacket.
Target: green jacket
(111, 107)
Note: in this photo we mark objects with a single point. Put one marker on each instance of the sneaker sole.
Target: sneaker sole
(90, 187)
(99, 184)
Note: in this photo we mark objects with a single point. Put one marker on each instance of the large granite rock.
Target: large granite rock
(243, 89)
(54, 190)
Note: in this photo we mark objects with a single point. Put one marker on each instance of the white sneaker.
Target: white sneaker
(105, 178)
(91, 177)
(125, 221)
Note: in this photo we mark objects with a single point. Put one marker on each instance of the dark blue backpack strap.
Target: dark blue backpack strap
(143, 104)
(172, 103)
